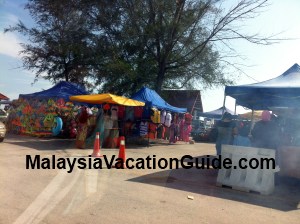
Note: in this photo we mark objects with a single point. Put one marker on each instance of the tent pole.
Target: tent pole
(235, 108)
(252, 121)
(224, 103)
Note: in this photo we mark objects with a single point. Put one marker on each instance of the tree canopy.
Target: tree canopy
(119, 46)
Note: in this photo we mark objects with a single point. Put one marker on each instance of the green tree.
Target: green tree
(59, 44)
(121, 45)
(173, 44)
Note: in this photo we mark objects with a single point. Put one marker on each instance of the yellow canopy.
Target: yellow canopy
(106, 98)
(248, 115)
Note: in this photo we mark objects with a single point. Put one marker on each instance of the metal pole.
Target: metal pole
(235, 108)
(224, 103)
(252, 123)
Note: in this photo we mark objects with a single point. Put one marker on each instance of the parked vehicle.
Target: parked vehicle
(3, 115)
(203, 132)
(2, 131)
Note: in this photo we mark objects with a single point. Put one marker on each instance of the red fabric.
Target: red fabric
(106, 107)
(186, 132)
(121, 112)
(188, 118)
(83, 117)
(152, 130)
(138, 112)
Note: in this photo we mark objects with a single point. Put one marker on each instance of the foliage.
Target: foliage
(122, 45)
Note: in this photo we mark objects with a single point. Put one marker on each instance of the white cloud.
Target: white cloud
(10, 45)
(10, 19)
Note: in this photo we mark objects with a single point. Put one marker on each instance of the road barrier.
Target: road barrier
(248, 178)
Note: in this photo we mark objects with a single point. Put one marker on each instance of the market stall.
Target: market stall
(46, 113)
(172, 123)
(111, 117)
(216, 114)
(151, 97)
(282, 96)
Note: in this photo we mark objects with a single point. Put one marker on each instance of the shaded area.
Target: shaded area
(40, 143)
(64, 144)
(286, 196)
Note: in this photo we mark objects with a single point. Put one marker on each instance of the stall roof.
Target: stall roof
(3, 97)
(60, 90)
(217, 114)
(106, 98)
(152, 98)
(191, 99)
(282, 91)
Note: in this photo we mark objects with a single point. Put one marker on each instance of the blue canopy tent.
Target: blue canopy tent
(282, 91)
(150, 97)
(216, 114)
(61, 90)
(41, 113)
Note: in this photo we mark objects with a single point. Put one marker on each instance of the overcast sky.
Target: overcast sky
(265, 62)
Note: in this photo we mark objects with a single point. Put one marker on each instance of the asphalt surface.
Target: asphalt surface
(129, 195)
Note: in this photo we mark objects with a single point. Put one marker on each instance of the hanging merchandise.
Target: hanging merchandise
(48, 120)
(176, 118)
(147, 111)
(155, 116)
(136, 129)
(128, 128)
(138, 112)
(106, 109)
(143, 128)
(160, 131)
(36, 114)
(129, 113)
(168, 119)
(58, 126)
(121, 112)
(60, 103)
(163, 114)
(114, 112)
(152, 130)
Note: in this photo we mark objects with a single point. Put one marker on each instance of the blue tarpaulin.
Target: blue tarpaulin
(282, 91)
(61, 90)
(151, 97)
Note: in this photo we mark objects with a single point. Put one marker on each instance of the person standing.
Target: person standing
(172, 133)
(265, 133)
(241, 134)
(82, 124)
(225, 132)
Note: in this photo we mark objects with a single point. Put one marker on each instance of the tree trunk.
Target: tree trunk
(66, 77)
(160, 77)
(66, 72)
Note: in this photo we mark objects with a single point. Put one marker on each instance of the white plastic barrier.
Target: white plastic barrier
(260, 179)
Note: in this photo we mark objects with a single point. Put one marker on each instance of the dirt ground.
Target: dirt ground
(130, 195)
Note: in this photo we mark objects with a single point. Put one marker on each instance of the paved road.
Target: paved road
(130, 195)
